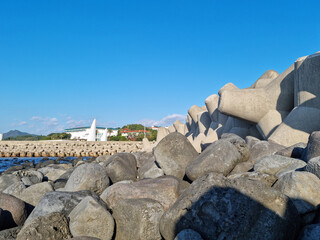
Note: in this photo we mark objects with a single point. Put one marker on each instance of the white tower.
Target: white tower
(1, 136)
(92, 131)
(104, 136)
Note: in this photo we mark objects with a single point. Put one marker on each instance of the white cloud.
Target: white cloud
(166, 121)
(36, 118)
(22, 123)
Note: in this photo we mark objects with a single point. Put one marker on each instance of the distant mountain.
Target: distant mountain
(16, 133)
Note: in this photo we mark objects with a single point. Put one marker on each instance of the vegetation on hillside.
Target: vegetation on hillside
(51, 136)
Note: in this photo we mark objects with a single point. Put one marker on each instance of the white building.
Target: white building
(1, 136)
(82, 133)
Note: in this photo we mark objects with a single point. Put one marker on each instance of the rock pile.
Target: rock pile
(221, 193)
(281, 108)
(65, 148)
(243, 167)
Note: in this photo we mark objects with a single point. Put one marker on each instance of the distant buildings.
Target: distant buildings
(92, 133)
(132, 133)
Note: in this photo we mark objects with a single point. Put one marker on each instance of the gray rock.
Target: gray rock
(239, 143)
(143, 157)
(63, 202)
(84, 238)
(219, 208)
(294, 151)
(303, 188)
(173, 153)
(14, 211)
(52, 227)
(7, 180)
(138, 219)
(121, 166)
(102, 158)
(251, 141)
(32, 176)
(262, 149)
(278, 165)
(188, 234)
(220, 157)
(53, 171)
(150, 170)
(264, 178)
(10, 234)
(89, 176)
(313, 166)
(164, 190)
(15, 189)
(35, 193)
(242, 167)
(91, 218)
(310, 232)
(313, 147)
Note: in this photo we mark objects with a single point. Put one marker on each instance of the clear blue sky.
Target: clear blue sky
(62, 63)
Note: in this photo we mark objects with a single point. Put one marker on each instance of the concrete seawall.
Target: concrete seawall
(65, 148)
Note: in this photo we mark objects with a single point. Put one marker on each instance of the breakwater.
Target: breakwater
(65, 148)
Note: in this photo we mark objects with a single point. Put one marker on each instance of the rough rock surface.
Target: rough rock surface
(52, 227)
(262, 149)
(91, 218)
(35, 193)
(310, 232)
(173, 153)
(10, 234)
(164, 190)
(231, 206)
(278, 165)
(220, 157)
(7, 180)
(313, 166)
(89, 176)
(188, 234)
(121, 166)
(264, 178)
(303, 188)
(313, 146)
(63, 202)
(138, 219)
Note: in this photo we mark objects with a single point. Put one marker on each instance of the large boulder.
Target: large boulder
(278, 165)
(164, 190)
(35, 193)
(239, 143)
(150, 170)
(219, 208)
(91, 218)
(138, 219)
(264, 178)
(51, 227)
(14, 211)
(220, 157)
(7, 180)
(313, 166)
(121, 166)
(53, 171)
(173, 153)
(63, 202)
(313, 146)
(303, 188)
(262, 149)
(89, 176)
(294, 151)
(15, 189)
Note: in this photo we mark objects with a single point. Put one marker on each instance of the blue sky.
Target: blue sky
(62, 63)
